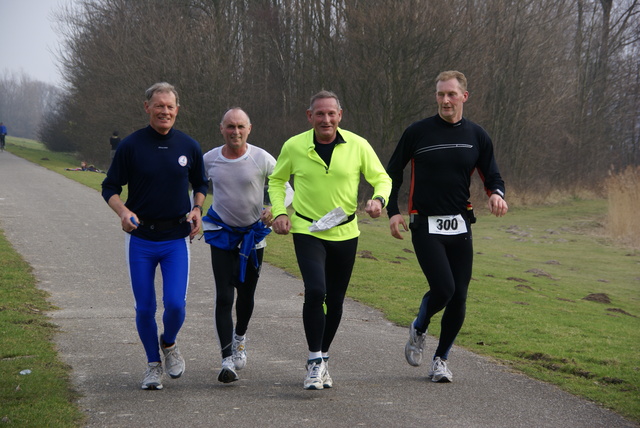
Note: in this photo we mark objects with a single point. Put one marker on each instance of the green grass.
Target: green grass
(526, 307)
(45, 394)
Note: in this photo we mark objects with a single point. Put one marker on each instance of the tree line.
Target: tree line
(554, 82)
(23, 103)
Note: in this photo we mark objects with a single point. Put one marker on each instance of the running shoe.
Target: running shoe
(316, 370)
(228, 373)
(152, 377)
(173, 360)
(327, 382)
(415, 346)
(239, 352)
(439, 371)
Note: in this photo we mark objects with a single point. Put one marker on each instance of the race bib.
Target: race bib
(447, 225)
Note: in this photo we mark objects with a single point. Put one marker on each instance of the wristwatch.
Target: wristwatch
(381, 199)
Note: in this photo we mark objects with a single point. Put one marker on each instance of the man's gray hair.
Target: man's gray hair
(324, 94)
(162, 87)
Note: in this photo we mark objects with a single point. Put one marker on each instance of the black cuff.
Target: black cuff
(498, 192)
(381, 199)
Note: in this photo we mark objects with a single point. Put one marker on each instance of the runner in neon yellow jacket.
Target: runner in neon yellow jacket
(320, 189)
(326, 163)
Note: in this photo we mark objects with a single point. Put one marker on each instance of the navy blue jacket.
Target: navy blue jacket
(158, 170)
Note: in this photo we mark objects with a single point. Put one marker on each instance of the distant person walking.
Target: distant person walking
(326, 162)
(114, 141)
(444, 150)
(3, 134)
(235, 227)
(158, 163)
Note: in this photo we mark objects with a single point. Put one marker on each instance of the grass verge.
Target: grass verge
(34, 384)
(551, 296)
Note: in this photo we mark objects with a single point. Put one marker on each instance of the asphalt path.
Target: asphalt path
(75, 245)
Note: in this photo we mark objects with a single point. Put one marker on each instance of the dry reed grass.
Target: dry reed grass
(623, 191)
(519, 197)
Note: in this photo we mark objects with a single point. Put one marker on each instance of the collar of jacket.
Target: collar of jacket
(312, 148)
(312, 141)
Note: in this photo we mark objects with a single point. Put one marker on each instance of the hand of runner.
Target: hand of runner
(266, 217)
(282, 224)
(497, 205)
(374, 208)
(394, 225)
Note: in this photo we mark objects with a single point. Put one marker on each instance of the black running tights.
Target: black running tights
(326, 268)
(446, 261)
(226, 265)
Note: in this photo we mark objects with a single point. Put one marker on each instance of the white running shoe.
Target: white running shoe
(415, 346)
(316, 370)
(152, 377)
(239, 352)
(327, 382)
(439, 371)
(173, 360)
(228, 373)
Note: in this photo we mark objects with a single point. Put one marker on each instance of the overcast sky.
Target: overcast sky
(28, 41)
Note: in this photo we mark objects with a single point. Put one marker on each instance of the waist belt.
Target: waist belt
(348, 220)
(161, 225)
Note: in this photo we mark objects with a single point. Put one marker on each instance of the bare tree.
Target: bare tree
(23, 103)
(541, 72)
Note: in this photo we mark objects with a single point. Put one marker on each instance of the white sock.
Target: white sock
(315, 355)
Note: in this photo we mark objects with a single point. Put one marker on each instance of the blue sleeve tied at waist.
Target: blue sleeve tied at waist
(229, 238)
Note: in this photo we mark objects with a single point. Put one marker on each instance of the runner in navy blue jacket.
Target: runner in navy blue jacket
(444, 151)
(158, 163)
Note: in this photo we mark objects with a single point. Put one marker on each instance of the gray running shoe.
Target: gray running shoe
(415, 346)
(228, 373)
(327, 382)
(152, 377)
(173, 360)
(316, 370)
(239, 353)
(439, 371)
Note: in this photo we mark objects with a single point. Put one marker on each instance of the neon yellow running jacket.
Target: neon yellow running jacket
(318, 188)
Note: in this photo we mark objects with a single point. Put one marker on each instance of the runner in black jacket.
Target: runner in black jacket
(444, 151)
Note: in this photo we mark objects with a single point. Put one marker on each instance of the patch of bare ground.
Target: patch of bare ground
(518, 232)
(597, 297)
(620, 311)
(366, 254)
(567, 366)
(541, 273)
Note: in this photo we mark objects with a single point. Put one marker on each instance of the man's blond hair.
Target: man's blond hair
(453, 74)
